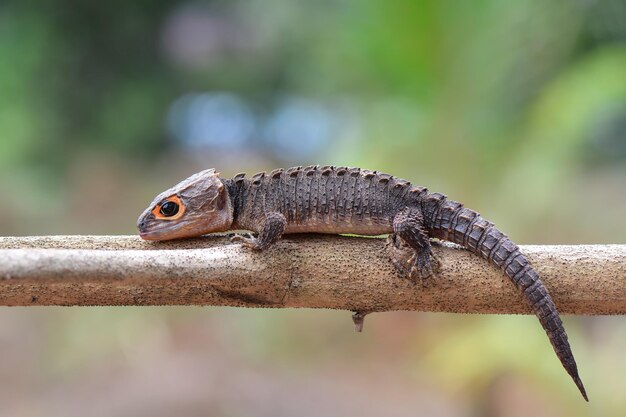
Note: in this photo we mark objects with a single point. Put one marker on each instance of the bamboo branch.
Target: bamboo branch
(348, 273)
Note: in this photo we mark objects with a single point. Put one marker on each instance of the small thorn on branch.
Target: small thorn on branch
(359, 320)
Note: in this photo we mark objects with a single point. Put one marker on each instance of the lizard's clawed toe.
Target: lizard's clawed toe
(248, 241)
(420, 272)
(423, 263)
(416, 266)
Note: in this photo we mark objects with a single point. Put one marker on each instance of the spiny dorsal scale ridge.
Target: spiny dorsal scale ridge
(399, 183)
(464, 225)
(505, 253)
(354, 172)
(277, 173)
(454, 224)
(435, 197)
(492, 236)
(239, 177)
(310, 170)
(293, 172)
(468, 215)
(368, 174)
(486, 229)
(384, 178)
(447, 211)
(258, 177)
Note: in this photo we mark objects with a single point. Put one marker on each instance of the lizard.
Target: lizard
(343, 200)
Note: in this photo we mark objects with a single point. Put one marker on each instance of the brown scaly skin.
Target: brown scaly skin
(347, 200)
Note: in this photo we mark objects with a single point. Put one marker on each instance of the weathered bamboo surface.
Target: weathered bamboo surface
(315, 271)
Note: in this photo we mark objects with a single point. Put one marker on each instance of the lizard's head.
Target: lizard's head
(194, 207)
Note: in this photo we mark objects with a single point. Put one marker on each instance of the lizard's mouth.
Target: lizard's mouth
(151, 228)
(149, 235)
(161, 233)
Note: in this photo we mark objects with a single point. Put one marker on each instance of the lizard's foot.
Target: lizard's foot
(359, 319)
(422, 265)
(247, 241)
(415, 265)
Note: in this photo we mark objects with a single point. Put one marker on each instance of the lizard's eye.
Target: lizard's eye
(169, 209)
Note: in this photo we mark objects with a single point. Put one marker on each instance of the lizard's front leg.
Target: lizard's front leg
(271, 229)
(408, 225)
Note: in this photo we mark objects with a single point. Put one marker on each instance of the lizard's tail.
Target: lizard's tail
(449, 220)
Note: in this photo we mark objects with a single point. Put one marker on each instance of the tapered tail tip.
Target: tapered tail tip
(581, 387)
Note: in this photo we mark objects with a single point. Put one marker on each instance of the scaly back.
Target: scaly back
(323, 199)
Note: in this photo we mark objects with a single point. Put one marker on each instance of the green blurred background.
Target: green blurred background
(517, 109)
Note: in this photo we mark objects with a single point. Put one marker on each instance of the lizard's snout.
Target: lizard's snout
(143, 223)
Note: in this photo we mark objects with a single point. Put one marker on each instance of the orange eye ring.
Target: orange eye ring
(156, 211)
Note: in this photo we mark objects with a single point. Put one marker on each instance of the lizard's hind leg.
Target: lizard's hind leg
(408, 227)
